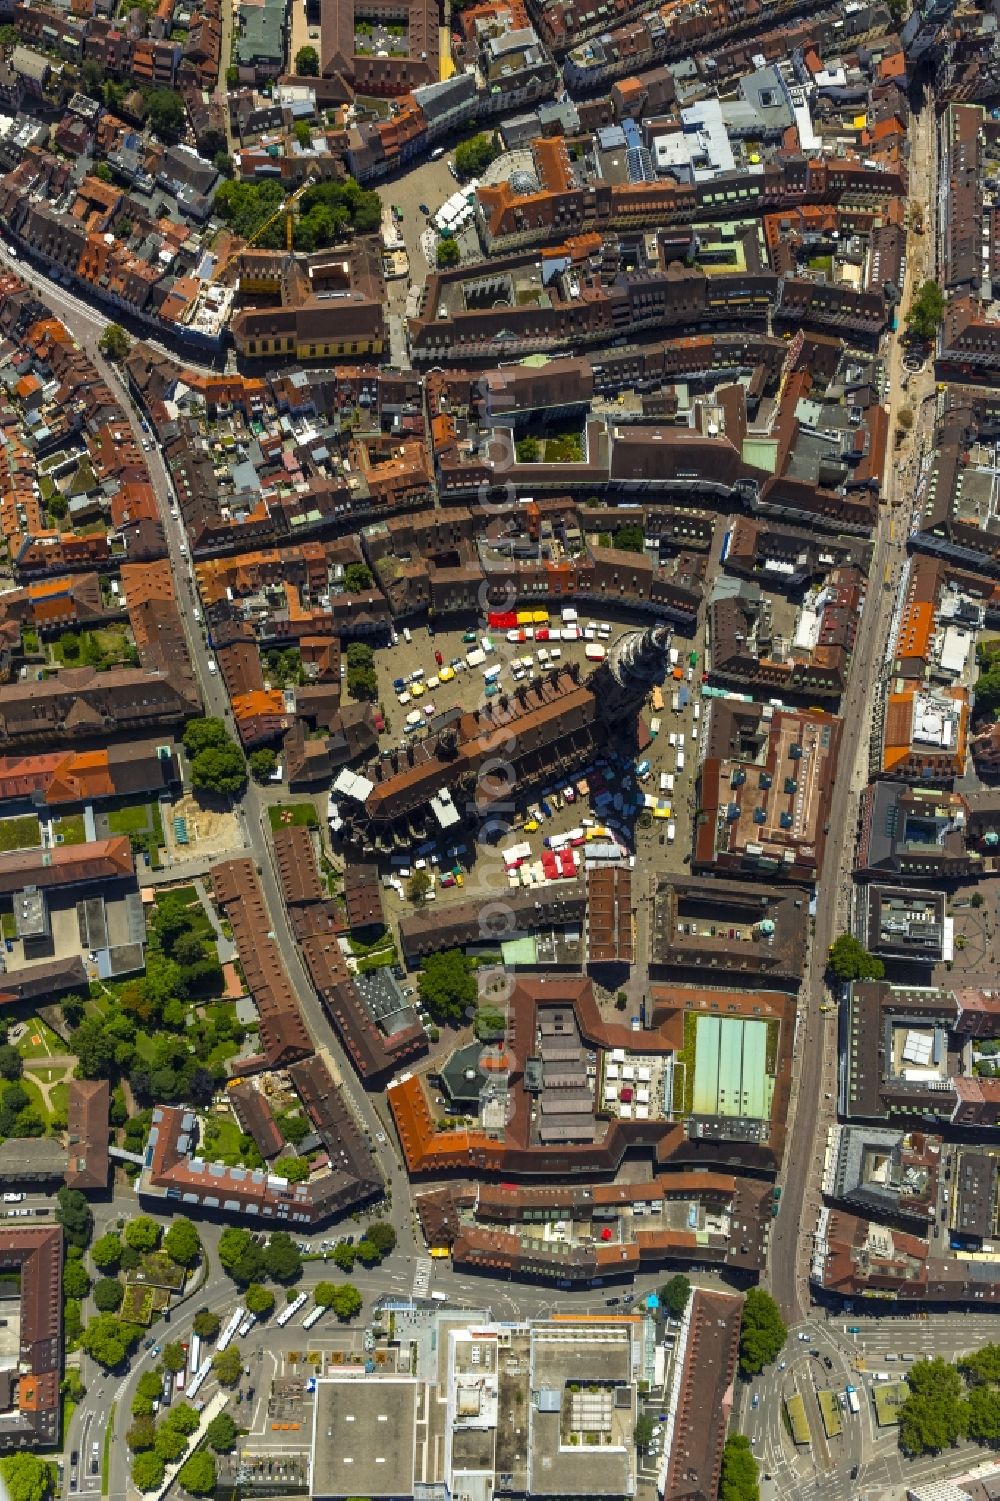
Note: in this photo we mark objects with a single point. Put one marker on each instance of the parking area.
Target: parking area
(643, 804)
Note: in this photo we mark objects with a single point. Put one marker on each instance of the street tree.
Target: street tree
(263, 763)
(762, 1332)
(115, 343)
(382, 1236)
(935, 1415)
(926, 311)
(108, 1294)
(221, 1433)
(282, 1258)
(108, 1340)
(76, 1283)
(674, 1295)
(150, 1384)
(182, 1243)
(738, 1481)
(142, 1233)
(206, 1324)
(240, 1255)
(347, 1301)
(174, 1356)
(27, 1477)
(142, 1434)
(850, 960)
(169, 1444)
(197, 1474)
(74, 1214)
(106, 1252)
(258, 1300)
(228, 1365)
(642, 1434)
(148, 1471)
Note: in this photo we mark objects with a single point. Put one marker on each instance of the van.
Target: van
(407, 635)
(211, 666)
(673, 739)
(697, 713)
(671, 831)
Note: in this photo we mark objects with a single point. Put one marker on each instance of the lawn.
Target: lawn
(221, 1140)
(47, 1042)
(302, 815)
(20, 833)
(129, 820)
(69, 830)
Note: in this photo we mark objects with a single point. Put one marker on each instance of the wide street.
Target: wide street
(826, 1467)
(815, 1089)
(399, 1275)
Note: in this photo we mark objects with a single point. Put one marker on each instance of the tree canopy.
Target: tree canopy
(27, 1477)
(165, 112)
(240, 1255)
(382, 1236)
(762, 1332)
(263, 763)
(926, 311)
(850, 960)
(220, 769)
(74, 1214)
(674, 1295)
(447, 985)
(143, 1233)
(221, 1433)
(115, 342)
(934, 1416)
(295, 1169)
(197, 1474)
(258, 1300)
(342, 1297)
(108, 1294)
(182, 1243)
(228, 1365)
(307, 62)
(473, 157)
(643, 1431)
(282, 1258)
(107, 1252)
(108, 1339)
(206, 1324)
(148, 1471)
(738, 1481)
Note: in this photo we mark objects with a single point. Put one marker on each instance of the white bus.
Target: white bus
(229, 1332)
(194, 1353)
(313, 1316)
(289, 1313)
(199, 1377)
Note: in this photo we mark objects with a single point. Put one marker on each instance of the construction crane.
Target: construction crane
(287, 209)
